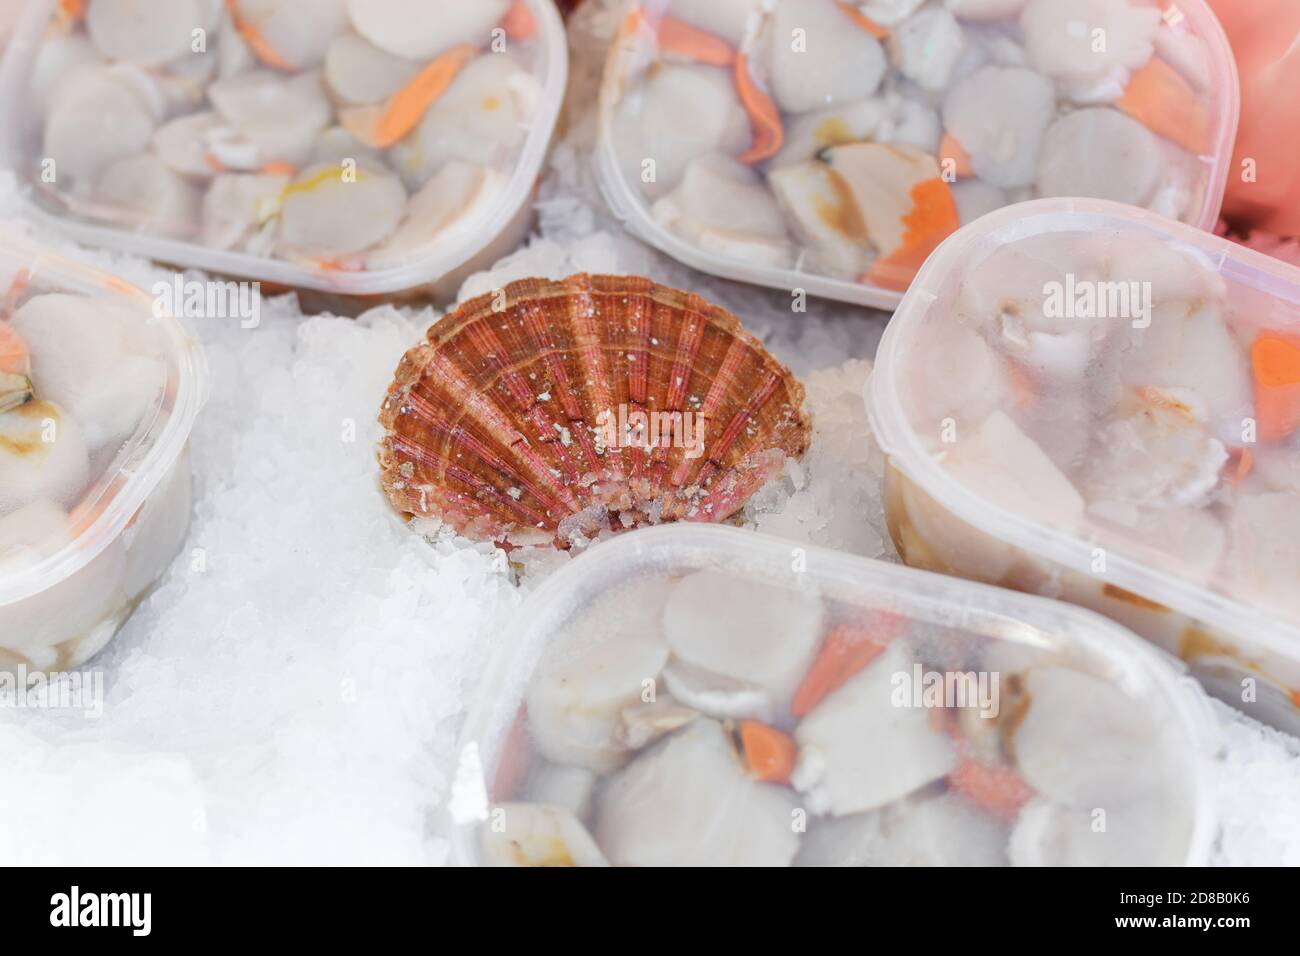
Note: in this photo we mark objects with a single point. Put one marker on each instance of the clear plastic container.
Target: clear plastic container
(830, 146)
(99, 396)
(1139, 456)
(705, 695)
(337, 145)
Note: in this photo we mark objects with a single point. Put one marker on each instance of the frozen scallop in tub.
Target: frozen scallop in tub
(1094, 403)
(359, 148)
(704, 695)
(97, 397)
(831, 145)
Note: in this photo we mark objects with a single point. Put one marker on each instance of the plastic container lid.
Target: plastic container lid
(214, 152)
(696, 693)
(116, 426)
(895, 123)
(1155, 429)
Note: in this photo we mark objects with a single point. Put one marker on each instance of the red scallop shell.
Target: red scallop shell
(506, 422)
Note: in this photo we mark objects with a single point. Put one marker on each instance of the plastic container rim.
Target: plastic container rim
(634, 213)
(165, 448)
(428, 268)
(900, 443)
(922, 594)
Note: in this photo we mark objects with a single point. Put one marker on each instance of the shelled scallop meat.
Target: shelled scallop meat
(79, 378)
(849, 139)
(343, 134)
(718, 719)
(549, 412)
(1125, 388)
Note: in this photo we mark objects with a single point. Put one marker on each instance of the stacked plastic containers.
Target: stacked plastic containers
(1094, 403)
(97, 398)
(830, 146)
(703, 695)
(339, 145)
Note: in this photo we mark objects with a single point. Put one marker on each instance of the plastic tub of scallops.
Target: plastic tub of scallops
(354, 146)
(830, 146)
(97, 399)
(1098, 404)
(696, 694)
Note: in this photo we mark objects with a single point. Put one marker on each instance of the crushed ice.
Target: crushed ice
(292, 690)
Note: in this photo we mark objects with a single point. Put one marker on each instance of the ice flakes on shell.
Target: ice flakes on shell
(523, 409)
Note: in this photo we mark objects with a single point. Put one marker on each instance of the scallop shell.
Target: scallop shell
(505, 422)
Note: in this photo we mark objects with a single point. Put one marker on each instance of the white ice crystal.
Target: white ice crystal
(292, 691)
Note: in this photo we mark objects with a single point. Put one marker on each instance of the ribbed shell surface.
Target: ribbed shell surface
(513, 415)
